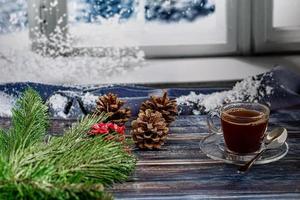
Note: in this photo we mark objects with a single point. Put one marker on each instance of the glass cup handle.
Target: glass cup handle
(211, 126)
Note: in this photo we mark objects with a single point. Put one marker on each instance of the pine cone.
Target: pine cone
(112, 105)
(167, 107)
(149, 130)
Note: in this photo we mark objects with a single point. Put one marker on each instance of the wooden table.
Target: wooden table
(181, 171)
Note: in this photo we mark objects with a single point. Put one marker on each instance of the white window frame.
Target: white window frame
(39, 15)
(228, 47)
(268, 38)
(249, 31)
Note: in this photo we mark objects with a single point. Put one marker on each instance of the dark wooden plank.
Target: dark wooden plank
(181, 171)
(189, 123)
(212, 179)
(252, 196)
(188, 148)
(283, 171)
(238, 187)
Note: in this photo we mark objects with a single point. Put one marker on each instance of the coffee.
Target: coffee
(243, 129)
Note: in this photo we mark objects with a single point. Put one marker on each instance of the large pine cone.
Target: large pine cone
(149, 130)
(167, 107)
(112, 105)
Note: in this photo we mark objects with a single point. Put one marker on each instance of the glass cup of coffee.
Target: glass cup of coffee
(243, 126)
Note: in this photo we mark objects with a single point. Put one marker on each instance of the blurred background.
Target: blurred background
(146, 41)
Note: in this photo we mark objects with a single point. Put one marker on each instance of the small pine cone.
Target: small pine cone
(112, 105)
(149, 130)
(167, 107)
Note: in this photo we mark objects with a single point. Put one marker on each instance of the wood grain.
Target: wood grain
(181, 171)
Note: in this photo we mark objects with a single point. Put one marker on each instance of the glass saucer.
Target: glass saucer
(213, 146)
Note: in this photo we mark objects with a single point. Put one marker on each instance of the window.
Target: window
(276, 25)
(162, 28)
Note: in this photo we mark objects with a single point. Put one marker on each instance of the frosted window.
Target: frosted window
(286, 13)
(147, 22)
(13, 15)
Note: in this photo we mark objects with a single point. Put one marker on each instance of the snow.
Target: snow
(269, 90)
(13, 15)
(119, 41)
(250, 89)
(89, 98)
(65, 104)
(137, 31)
(19, 63)
(141, 33)
(6, 104)
(57, 103)
(51, 65)
(53, 3)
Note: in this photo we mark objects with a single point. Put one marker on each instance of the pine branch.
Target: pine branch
(34, 190)
(29, 122)
(3, 142)
(78, 158)
(74, 166)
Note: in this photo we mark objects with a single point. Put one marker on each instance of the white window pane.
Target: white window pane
(147, 22)
(286, 13)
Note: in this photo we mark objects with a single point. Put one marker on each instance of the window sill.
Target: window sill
(165, 71)
(204, 69)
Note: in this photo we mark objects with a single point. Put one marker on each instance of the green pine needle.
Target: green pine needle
(29, 123)
(73, 166)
